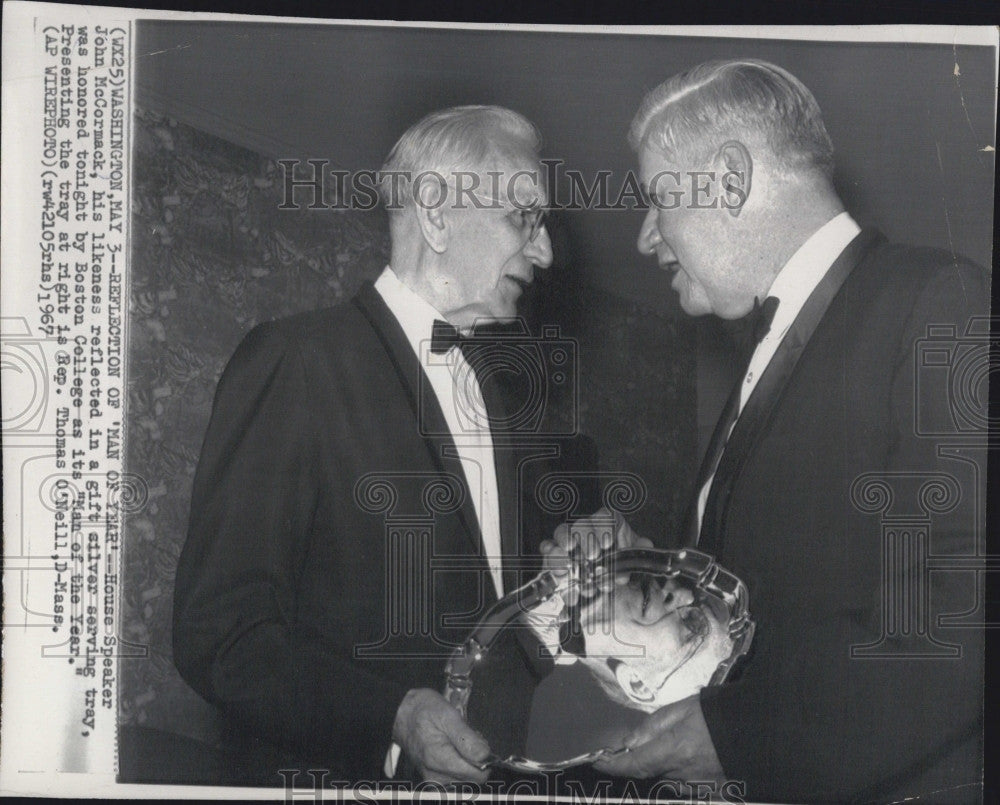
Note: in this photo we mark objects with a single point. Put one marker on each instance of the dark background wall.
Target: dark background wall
(213, 254)
(912, 123)
(909, 121)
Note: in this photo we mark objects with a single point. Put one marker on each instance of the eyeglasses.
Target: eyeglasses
(527, 219)
(530, 219)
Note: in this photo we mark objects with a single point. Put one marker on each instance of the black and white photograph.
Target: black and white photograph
(417, 409)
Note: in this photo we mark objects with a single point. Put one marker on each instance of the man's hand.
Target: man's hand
(672, 743)
(437, 739)
(586, 539)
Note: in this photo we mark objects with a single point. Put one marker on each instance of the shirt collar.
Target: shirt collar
(803, 272)
(414, 313)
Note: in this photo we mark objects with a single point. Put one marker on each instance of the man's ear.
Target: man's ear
(633, 684)
(736, 165)
(430, 211)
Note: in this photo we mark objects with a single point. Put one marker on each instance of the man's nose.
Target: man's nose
(539, 250)
(649, 234)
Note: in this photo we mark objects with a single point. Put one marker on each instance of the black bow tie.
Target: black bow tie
(444, 336)
(750, 330)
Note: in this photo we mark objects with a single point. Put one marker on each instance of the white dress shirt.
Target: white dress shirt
(792, 287)
(461, 400)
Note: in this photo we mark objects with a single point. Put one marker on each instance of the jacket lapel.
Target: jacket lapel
(428, 420)
(752, 421)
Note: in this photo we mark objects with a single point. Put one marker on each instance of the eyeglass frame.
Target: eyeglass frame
(538, 215)
(538, 212)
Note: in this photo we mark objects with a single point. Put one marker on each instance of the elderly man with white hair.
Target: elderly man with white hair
(316, 603)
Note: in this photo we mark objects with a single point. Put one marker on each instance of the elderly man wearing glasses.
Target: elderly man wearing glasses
(317, 627)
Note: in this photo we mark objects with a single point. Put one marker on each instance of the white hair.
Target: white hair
(462, 138)
(695, 112)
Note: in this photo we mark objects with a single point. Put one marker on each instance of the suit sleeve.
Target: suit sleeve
(852, 728)
(235, 636)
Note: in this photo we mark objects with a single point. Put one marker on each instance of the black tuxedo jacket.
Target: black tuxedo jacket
(828, 472)
(334, 555)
